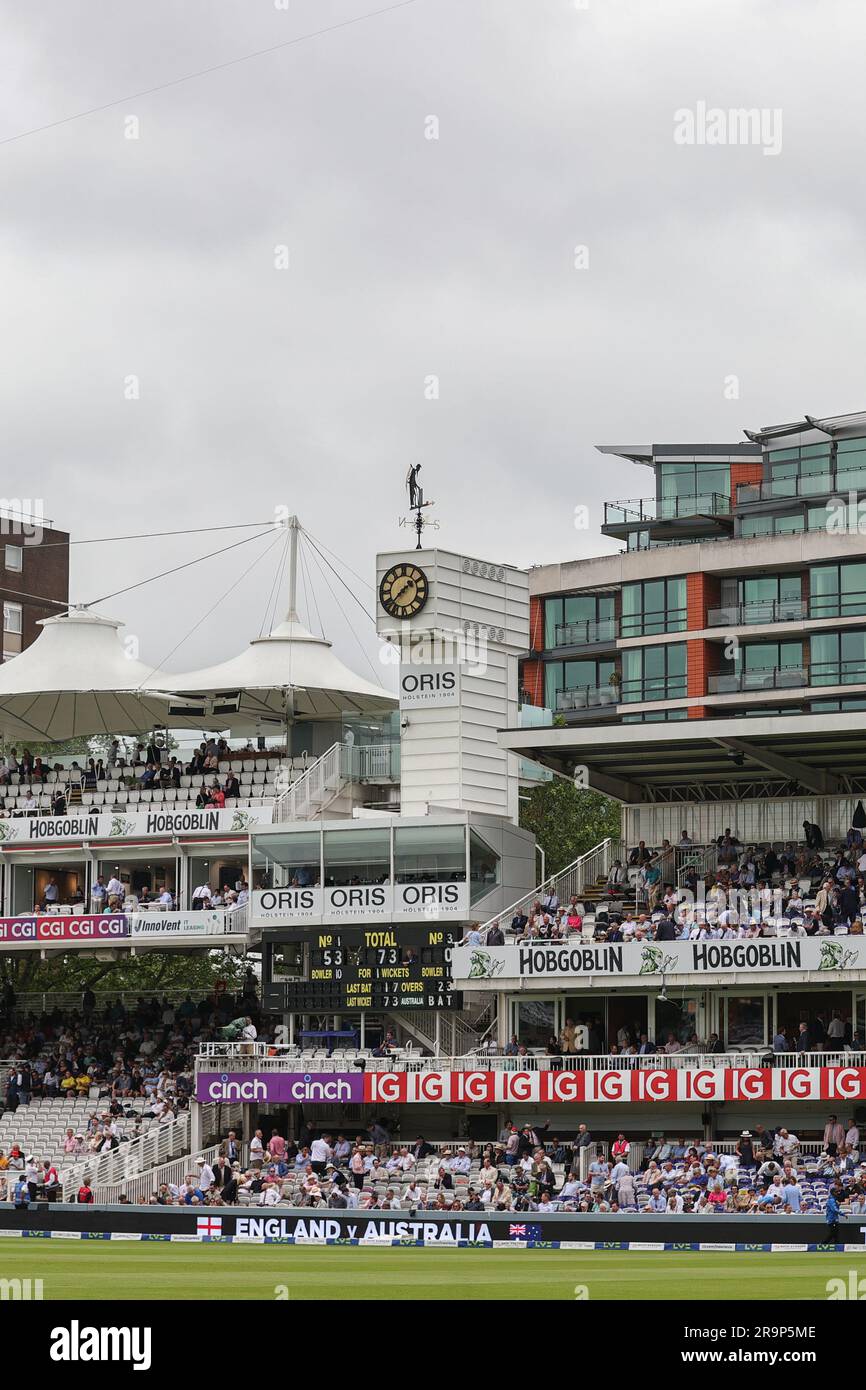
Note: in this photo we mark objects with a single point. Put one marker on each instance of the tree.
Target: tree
(567, 821)
(156, 970)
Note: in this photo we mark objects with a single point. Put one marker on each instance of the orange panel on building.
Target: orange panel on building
(536, 624)
(533, 681)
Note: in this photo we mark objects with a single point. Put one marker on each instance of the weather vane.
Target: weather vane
(417, 503)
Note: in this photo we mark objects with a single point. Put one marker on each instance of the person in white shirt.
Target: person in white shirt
(462, 1163)
(321, 1153)
(201, 895)
(412, 1195)
(205, 1174)
(114, 887)
(269, 1195)
(165, 900)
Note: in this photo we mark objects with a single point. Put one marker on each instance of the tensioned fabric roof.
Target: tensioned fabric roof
(290, 674)
(76, 680)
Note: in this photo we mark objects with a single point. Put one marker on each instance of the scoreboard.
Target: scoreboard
(370, 968)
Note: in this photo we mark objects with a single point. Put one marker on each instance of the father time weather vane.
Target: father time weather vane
(417, 504)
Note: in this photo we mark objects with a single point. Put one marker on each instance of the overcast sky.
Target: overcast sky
(409, 258)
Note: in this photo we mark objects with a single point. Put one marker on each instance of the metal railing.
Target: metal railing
(636, 509)
(584, 633)
(769, 678)
(703, 859)
(845, 605)
(273, 1057)
(652, 688)
(757, 611)
(585, 697)
(806, 485)
(156, 1144)
(140, 1186)
(322, 781)
(852, 672)
(571, 882)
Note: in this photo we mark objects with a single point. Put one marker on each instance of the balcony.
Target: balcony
(837, 673)
(586, 634)
(846, 605)
(776, 490)
(762, 611)
(587, 699)
(776, 678)
(669, 517)
(654, 688)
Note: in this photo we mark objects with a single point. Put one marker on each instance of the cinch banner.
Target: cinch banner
(547, 960)
(682, 1085)
(60, 928)
(281, 1088)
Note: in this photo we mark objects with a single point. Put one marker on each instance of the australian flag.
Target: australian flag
(528, 1231)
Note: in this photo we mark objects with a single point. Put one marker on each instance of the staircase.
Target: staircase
(459, 1033)
(318, 787)
(584, 879)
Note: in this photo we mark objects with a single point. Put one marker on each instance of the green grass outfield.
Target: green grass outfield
(101, 1270)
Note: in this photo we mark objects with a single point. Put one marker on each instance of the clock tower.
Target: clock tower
(456, 626)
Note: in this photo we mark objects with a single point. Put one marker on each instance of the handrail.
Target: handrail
(599, 858)
(759, 678)
(758, 611)
(274, 1057)
(301, 793)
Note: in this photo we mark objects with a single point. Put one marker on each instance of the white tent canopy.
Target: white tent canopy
(287, 676)
(77, 680)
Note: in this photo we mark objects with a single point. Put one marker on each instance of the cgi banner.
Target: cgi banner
(543, 961)
(695, 1086)
(59, 929)
(55, 930)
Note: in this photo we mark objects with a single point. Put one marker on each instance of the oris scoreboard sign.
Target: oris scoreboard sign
(361, 905)
(693, 1085)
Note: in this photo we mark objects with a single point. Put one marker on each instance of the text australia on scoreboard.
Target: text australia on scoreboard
(369, 968)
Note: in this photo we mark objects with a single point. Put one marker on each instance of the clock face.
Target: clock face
(403, 591)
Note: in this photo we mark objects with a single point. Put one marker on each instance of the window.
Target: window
(654, 673)
(357, 856)
(14, 558)
(838, 658)
(12, 617)
(801, 472)
(850, 464)
(534, 1021)
(771, 656)
(430, 854)
(685, 487)
(778, 526)
(837, 591)
(745, 1025)
(280, 861)
(773, 597)
(574, 675)
(575, 618)
(756, 526)
(653, 607)
(484, 865)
